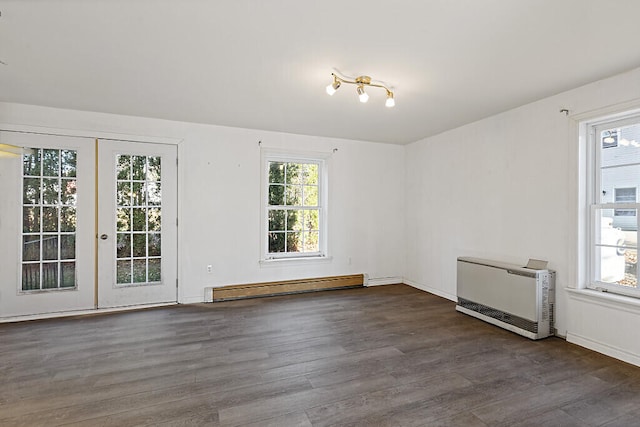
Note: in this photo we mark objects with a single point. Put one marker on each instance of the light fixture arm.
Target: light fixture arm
(361, 82)
(364, 80)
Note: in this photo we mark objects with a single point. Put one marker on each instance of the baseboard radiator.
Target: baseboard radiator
(285, 287)
(515, 298)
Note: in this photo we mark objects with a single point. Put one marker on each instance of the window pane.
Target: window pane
(31, 248)
(311, 219)
(68, 196)
(139, 270)
(124, 219)
(139, 194)
(294, 220)
(123, 167)
(621, 146)
(276, 220)
(310, 195)
(50, 162)
(311, 241)
(311, 174)
(30, 220)
(68, 219)
(276, 172)
(155, 270)
(139, 245)
(123, 193)
(154, 171)
(49, 275)
(293, 173)
(68, 246)
(123, 272)
(30, 277)
(617, 266)
(155, 219)
(294, 241)
(68, 159)
(616, 179)
(68, 274)
(50, 191)
(293, 195)
(276, 242)
(154, 193)
(31, 163)
(31, 191)
(50, 246)
(608, 233)
(49, 218)
(138, 167)
(276, 195)
(139, 219)
(123, 245)
(155, 244)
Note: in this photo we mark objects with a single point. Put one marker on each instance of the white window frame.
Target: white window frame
(594, 204)
(291, 156)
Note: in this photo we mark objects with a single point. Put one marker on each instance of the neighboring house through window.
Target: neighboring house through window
(625, 195)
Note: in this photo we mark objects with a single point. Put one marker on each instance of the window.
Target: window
(49, 219)
(294, 207)
(615, 176)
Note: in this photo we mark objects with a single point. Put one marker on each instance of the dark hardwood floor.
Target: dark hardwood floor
(388, 355)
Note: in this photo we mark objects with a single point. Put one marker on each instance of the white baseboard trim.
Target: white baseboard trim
(609, 350)
(80, 312)
(380, 281)
(431, 290)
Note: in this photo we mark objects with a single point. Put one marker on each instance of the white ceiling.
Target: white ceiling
(265, 64)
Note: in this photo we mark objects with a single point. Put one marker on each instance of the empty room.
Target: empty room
(296, 213)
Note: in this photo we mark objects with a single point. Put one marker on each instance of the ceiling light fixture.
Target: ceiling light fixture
(361, 82)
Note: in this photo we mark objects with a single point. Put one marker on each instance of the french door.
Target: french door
(85, 224)
(137, 223)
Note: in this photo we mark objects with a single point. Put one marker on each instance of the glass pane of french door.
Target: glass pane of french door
(137, 184)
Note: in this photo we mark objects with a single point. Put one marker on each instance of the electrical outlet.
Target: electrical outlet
(209, 268)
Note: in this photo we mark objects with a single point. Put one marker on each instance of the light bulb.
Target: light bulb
(330, 90)
(333, 87)
(390, 101)
(362, 94)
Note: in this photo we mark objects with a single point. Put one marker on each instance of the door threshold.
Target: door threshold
(41, 316)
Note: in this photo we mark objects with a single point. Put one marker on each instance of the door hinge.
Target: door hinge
(176, 222)
(176, 283)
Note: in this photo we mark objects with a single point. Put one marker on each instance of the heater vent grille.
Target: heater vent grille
(502, 316)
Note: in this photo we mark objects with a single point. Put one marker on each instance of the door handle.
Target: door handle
(103, 236)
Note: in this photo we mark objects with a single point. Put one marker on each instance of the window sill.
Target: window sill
(607, 299)
(279, 262)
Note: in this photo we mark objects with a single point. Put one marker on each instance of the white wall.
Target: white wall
(506, 188)
(219, 194)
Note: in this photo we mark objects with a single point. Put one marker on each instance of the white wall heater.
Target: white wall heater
(519, 299)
